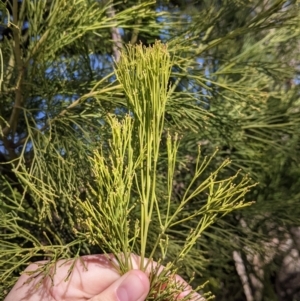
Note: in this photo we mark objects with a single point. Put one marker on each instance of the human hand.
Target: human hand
(93, 278)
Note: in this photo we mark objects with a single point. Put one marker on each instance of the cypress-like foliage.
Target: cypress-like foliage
(70, 87)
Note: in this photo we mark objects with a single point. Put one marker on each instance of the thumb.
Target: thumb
(133, 286)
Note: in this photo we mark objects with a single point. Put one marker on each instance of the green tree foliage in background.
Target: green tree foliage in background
(232, 86)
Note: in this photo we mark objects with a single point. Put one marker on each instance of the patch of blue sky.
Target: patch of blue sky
(200, 62)
(103, 63)
(165, 32)
(3, 24)
(25, 25)
(66, 68)
(287, 4)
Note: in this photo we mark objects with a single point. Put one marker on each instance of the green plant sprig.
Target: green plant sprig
(123, 211)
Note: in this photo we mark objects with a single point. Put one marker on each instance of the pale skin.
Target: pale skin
(94, 278)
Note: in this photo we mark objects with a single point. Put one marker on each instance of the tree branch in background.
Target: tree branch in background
(116, 36)
(241, 270)
(13, 120)
(135, 33)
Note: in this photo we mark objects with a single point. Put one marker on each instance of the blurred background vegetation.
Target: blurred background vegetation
(236, 88)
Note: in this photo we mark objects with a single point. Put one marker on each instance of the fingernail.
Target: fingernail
(131, 289)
